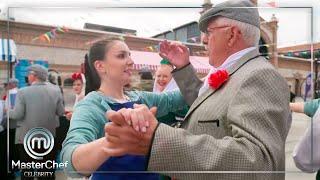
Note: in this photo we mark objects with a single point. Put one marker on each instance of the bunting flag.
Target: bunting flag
(150, 48)
(307, 86)
(35, 38)
(296, 53)
(51, 34)
(42, 38)
(59, 29)
(46, 37)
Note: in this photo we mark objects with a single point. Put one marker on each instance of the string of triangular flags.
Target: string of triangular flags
(303, 54)
(48, 36)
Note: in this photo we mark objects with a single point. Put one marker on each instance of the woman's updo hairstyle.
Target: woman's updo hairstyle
(96, 53)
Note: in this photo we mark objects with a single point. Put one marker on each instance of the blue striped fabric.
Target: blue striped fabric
(8, 50)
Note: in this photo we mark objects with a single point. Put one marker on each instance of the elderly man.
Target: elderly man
(36, 106)
(238, 117)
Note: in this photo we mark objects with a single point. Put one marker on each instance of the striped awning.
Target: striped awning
(8, 50)
(151, 61)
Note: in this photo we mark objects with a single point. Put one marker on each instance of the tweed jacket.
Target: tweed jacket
(242, 126)
(37, 105)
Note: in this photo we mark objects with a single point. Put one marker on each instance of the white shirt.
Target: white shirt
(302, 151)
(226, 64)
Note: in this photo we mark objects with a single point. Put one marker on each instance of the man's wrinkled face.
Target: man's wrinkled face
(216, 41)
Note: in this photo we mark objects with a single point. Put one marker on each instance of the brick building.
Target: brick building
(66, 52)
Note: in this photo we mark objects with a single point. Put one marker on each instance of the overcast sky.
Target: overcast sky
(294, 23)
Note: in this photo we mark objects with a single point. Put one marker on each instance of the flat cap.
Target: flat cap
(240, 10)
(13, 81)
(40, 71)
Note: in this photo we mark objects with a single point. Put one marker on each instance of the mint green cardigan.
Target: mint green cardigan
(88, 119)
(311, 107)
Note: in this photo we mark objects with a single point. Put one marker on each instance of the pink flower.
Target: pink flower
(218, 78)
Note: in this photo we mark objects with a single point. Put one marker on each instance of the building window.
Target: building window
(193, 31)
(181, 34)
(170, 36)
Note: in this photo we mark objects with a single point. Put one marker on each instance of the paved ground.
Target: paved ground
(299, 125)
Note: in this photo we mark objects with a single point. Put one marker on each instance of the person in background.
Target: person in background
(292, 95)
(78, 89)
(309, 108)
(165, 83)
(12, 92)
(37, 105)
(78, 86)
(4, 93)
(306, 154)
(163, 78)
(55, 79)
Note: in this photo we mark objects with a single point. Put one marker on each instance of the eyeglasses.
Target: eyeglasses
(210, 30)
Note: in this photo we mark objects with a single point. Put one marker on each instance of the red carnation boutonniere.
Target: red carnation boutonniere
(218, 78)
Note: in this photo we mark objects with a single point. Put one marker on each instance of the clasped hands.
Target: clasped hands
(130, 130)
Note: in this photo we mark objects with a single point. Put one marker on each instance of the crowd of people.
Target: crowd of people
(41, 104)
(235, 119)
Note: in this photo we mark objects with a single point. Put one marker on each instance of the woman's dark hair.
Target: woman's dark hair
(97, 52)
